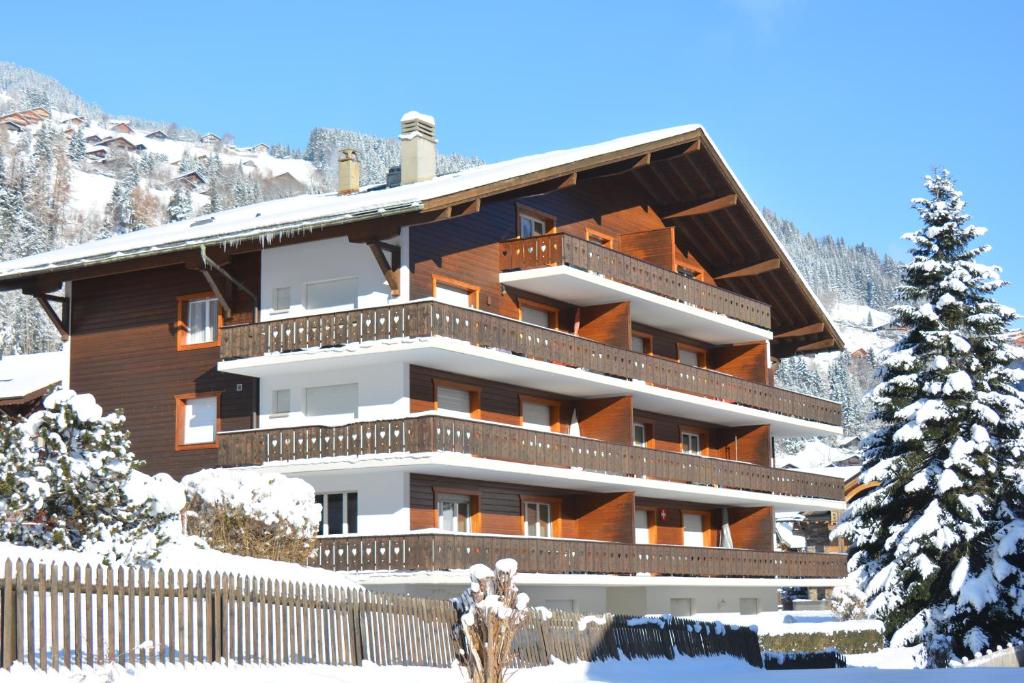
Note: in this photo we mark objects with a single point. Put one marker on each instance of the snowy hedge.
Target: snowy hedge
(68, 480)
(849, 638)
(253, 513)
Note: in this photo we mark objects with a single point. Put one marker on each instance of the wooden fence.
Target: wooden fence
(432, 433)
(425, 319)
(59, 616)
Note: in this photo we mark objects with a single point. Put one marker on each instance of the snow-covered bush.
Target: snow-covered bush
(253, 513)
(847, 602)
(492, 609)
(68, 480)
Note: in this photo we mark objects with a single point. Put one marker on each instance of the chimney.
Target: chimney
(348, 171)
(419, 147)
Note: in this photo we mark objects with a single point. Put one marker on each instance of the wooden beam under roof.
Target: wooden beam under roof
(817, 346)
(709, 206)
(813, 328)
(765, 266)
(389, 265)
(59, 321)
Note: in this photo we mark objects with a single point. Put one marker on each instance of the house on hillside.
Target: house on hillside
(210, 139)
(74, 122)
(12, 126)
(562, 358)
(283, 185)
(121, 143)
(192, 181)
(157, 135)
(25, 380)
(261, 148)
(93, 139)
(29, 117)
(122, 127)
(97, 153)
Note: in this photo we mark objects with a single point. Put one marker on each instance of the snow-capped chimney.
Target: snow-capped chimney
(419, 147)
(348, 171)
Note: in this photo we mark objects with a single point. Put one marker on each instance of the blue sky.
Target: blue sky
(829, 112)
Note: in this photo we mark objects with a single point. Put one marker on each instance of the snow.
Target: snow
(26, 374)
(269, 497)
(90, 192)
(898, 663)
(786, 534)
(305, 212)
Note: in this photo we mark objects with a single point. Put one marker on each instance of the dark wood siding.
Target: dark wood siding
(124, 351)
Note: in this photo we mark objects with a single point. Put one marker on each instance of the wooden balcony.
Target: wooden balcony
(434, 319)
(432, 433)
(562, 249)
(441, 551)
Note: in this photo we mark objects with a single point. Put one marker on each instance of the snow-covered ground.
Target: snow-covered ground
(726, 669)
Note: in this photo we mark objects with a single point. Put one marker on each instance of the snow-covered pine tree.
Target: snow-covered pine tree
(180, 206)
(951, 423)
(76, 146)
(84, 465)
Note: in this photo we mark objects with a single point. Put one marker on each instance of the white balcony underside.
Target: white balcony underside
(460, 578)
(582, 288)
(326, 474)
(460, 357)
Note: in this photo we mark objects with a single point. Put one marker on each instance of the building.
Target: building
(26, 379)
(193, 181)
(564, 358)
(210, 139)
(121, 127)
(157, 135)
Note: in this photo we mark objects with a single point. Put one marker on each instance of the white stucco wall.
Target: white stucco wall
(383, 394)
(383, 497)
(296, 265)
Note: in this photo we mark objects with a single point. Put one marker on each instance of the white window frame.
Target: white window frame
(185, 403)
(346, 523)
(210, 327)
(277, 398)
(533, 223)
(541, 528)
(458, 500)
(643, 427)
(347, 306)
(277, 305)
(690, 437)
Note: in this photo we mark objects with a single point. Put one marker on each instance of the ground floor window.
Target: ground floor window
(339, 513)
(454, 513)
(538, 519)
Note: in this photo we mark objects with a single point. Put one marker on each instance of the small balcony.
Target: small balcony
(245, 349)
(567, 268)
(442, 551)
(435, 433)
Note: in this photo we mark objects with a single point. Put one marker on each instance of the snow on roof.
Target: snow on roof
(266, 219)
(26, 374)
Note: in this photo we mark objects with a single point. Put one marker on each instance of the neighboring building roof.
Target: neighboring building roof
(309, 212)
(26, 377)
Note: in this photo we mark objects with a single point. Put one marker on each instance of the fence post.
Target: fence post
(8, 616)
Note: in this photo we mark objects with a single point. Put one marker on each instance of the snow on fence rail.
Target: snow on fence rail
(60, 615)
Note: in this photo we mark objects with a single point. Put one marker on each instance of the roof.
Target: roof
(25, 375)
(302, 213)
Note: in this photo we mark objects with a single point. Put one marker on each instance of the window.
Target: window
(332, 293)
(693, 529)
(339, 400)
(640, 343)
(535, 314)
(282, 299)
(338, 513)
(196, 420)
(198, 321)
(539, 414)
(596, 237)
(748, 606)
(456, 293)
(690, 442)
(533, 223)
(681, 607)
(456, 399)
(642, 525)
(688, 355)
(281, 402)
(454, 513)
(538, 519)
(640, 434)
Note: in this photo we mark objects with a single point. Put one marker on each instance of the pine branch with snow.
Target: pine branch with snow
(951, 426)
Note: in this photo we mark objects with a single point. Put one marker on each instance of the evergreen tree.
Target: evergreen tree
(921, 543)
(187, 163)
(76, 146)
(180, 206)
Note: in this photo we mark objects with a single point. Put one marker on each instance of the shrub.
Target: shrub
(851, 641)
(252, 513)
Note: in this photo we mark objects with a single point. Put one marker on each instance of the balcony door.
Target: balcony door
(454, 513)
(643, 527)
(693, 529)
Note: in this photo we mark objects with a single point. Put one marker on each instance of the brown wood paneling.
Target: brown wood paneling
(751, 528)
(607, 323)
(607, 419)
(124, 352)
(603, 516)
(749, 362)
(654, 246)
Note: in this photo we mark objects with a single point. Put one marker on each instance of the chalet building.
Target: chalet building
(565, 358)
(210, 139)
(193, 181)
(157, 135)
(26, 118)
(122, 127)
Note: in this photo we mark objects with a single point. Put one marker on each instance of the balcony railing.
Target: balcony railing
(432, 433)
(562, 249)
(434, 319)
(440, 551)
